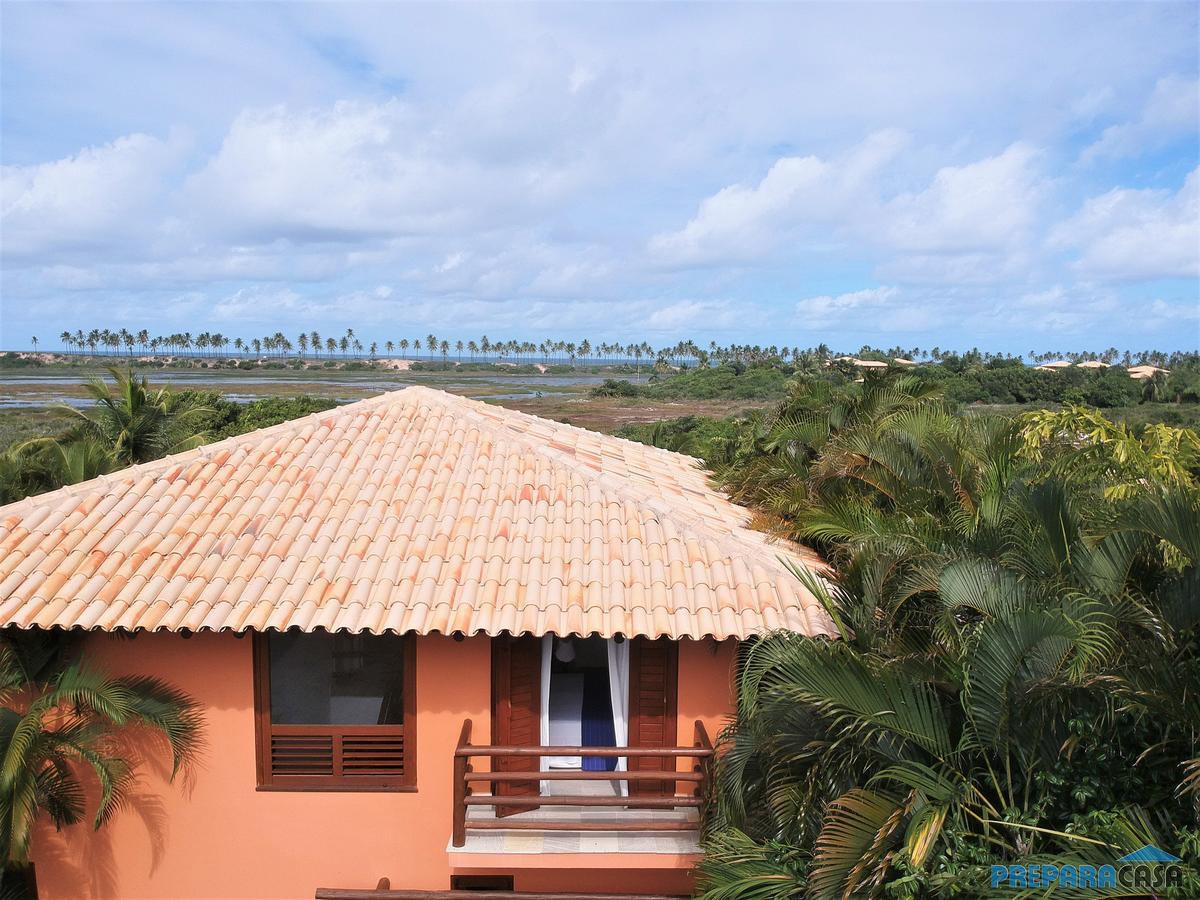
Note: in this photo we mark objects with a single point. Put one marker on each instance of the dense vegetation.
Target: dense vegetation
(989, 383)
(1017, 678)
(131, 423)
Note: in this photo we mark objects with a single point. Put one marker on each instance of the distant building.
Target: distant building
(1142, 373)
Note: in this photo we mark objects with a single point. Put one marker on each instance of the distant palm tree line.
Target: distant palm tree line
(313, 345)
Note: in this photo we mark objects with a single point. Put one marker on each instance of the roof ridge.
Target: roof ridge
(471, 402)
(691, 520)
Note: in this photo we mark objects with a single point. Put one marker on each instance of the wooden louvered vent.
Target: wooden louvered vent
(307, 751)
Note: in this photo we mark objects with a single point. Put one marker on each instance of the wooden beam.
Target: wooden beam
(585, 751)
(583, 800)
(616, 825)
(574, 775)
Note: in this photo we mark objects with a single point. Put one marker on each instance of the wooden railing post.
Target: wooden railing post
(461, 767)
(703, 764)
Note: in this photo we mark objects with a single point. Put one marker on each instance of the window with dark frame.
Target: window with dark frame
(335, 711)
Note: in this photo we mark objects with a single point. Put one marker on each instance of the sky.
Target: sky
(1007, 176)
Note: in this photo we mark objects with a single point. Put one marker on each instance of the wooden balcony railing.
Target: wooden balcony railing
(465, 775)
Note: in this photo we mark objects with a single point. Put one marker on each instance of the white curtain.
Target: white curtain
(547, 656)
(618, 685)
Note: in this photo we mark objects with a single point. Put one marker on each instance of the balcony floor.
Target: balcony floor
(671, 843)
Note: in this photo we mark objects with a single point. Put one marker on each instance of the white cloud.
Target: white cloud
(969, 223)
(685, 316)
(283, 305)
(887, 314)
(983, 205)
(351, 172)
(819, 306)
(838, 311)
(1131, 234)
(746, 222)
(1172, 109)
(92, 200)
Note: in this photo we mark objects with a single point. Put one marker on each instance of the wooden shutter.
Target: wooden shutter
(516, 711)
(653, 689)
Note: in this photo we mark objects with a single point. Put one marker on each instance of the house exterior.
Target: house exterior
(437, 644)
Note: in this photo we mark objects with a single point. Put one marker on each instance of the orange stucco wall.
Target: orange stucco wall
(218, 837)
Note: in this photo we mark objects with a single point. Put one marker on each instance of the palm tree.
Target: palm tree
(33, 340)
(60, 718)
(133, 423)
(994, 612)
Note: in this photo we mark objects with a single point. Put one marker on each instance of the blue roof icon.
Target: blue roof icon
(1148, 854)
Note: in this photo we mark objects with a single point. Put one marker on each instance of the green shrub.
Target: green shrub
(615, 387)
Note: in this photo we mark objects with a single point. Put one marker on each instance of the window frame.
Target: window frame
(264, 730)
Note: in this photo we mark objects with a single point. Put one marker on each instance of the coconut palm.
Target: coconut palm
(43, 464)
(133, 423)
(60, 718)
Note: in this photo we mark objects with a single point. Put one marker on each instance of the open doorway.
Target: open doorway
(642, 683)
(585, 701)
(580, 704)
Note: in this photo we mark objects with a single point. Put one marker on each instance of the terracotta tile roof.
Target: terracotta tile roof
(414, 511)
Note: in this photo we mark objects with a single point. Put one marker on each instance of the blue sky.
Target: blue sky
(1009, 176)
